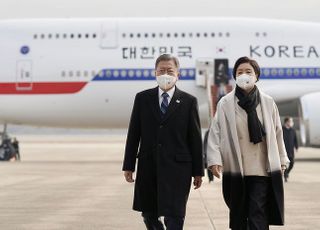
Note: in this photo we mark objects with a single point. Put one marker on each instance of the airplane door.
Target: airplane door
(109, 35)
(24, 75)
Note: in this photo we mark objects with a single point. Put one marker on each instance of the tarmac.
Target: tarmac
(75, 182)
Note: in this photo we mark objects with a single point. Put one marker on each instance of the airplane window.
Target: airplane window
(257, 34)
(101, 74)
(42, 36)
(78, 73)
(108, 73)
(131, 35)
(190, 35)
(266, 72)
(191, 72)
(138, 73)
(274, 72)
(161, 35)
(183, 35)
(311, 72)
(63, 73)
(123, 35)
(116, 73)
(281, 72)
(146, 73)
(123, 73)
(85, 73)
(183, 73)
(57, 36)
(168, 35)
(50, 36)
(35, 36)
(318, 72)
(94, 35)
(198, 34)
(87, 35)
(228, 34)
(296, 72)
(64, 35)
(71, 35)
(70, 74)
(265, 34)
(152, 73)
(175, 35)
(146, 35)
(220, 34)
(131, 73)
(205, 35)
(212, 34)
(79, 35)
(289, 72)
(138, 35)
(304, 72)
(93, 73)
(153, 35)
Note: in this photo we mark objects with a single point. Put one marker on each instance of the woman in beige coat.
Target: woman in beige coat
(246, 144)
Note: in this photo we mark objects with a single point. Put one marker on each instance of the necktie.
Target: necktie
(164, 103)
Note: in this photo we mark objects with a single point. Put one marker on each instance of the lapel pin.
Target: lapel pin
(178, 101)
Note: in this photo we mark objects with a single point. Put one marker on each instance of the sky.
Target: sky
(305, 10)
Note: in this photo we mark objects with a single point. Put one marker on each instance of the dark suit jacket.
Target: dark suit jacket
(290, 141)
(169, 152)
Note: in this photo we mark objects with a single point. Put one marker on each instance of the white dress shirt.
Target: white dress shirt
(170, 93)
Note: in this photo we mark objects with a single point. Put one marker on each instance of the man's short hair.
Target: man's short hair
(167, 57)
(251, 62)
(286, 119)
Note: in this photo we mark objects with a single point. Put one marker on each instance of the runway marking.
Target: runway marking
(207, 211)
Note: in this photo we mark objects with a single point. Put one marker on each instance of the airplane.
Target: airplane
(84, 73)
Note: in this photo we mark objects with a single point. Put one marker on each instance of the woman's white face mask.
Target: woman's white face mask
(245, 81)
(166, 81)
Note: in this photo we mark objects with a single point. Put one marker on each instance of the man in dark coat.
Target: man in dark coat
(291, 143)
(165, 136)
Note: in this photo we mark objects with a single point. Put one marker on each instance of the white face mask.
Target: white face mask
(166, 81)
(245, 81)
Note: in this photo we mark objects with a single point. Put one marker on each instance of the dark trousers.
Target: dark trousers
(257, 191)
(287, 171)
(153, 222)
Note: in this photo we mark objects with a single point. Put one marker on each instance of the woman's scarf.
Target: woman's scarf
(249, 103)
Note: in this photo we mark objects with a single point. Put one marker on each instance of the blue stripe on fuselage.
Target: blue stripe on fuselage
(190, 73)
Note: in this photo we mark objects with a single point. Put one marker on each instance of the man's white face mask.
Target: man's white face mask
(166, 81)
(245, 81)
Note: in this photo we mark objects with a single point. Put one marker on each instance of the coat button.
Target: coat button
(161, 126)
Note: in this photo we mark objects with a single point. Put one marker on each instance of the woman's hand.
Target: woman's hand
(216, 170)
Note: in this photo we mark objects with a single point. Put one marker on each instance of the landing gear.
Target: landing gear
(9, 148)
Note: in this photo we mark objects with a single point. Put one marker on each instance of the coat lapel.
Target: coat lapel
(267, 120)
(231, 117)
(154, 104)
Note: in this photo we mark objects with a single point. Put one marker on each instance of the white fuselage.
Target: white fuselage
(85, 72)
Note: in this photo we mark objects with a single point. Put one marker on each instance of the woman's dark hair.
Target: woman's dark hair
(252, 62)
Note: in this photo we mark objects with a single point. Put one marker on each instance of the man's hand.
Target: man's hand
(128, 176)
(216, 170)
(197, 181)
